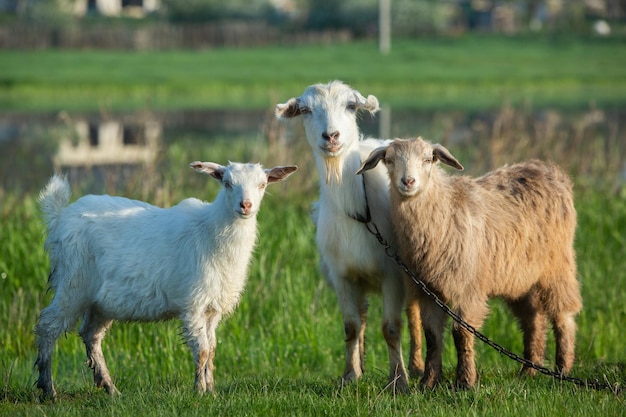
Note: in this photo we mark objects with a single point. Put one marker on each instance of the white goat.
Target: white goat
(118, 259)
(352, 259)
(509, 234)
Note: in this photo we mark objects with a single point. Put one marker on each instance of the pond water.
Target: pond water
(589, 143)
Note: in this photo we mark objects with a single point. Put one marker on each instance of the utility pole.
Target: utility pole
(384, 26)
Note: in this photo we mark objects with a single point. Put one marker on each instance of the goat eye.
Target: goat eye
(227, 184)
(305, 110)
(388, 161)
(351, 106)
(428, 160)
(262, 186)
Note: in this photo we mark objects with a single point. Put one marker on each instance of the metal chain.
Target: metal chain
(392, 253)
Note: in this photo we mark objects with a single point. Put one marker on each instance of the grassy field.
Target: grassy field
(467, 72)
(281, 352)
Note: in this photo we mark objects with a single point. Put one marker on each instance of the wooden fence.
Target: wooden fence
(157, 36)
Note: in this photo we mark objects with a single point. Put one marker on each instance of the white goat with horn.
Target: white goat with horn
(352, 259)
(112, 258)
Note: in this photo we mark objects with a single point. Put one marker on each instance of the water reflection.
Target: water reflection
(108, 142)
(588, 143)
(98, 147)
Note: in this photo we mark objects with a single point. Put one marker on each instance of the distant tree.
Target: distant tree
(411, 17)
(359, 16)
(52, 13)
(211, 10)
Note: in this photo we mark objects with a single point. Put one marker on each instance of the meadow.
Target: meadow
(465, 72)
(282, 351)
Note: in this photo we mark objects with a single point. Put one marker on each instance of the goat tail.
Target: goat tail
(54, 198)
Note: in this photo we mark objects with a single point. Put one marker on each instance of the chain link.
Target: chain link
(392, 253)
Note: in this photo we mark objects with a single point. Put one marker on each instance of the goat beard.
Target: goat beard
(333, 169)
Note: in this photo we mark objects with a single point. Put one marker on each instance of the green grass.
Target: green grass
(281, 352)
(467, 72)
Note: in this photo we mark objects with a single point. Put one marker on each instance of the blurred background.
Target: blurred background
(109, 85)
(156, 24)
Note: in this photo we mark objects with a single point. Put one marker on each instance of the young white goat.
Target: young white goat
(118, 259)
(508, 234)
(352, 259)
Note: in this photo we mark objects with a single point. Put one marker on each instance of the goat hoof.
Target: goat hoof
(48, 396)
(112, 391)
(416, 371)
(399, 387)
(463, 384)
(350, 376)
(429, 383)
(527, 372)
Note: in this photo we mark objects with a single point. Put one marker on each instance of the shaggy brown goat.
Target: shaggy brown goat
(507, 234)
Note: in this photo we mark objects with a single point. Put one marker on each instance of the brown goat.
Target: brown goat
(507, 234)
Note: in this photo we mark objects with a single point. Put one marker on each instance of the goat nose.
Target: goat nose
(331, 136)
(408, 181)
(246, 205)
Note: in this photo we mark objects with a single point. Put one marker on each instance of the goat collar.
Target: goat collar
(358, 216)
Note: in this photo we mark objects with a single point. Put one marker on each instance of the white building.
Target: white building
(132, 8)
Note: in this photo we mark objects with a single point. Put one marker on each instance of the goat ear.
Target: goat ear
(289, 109)
(279, 173)
(370, 103)
(373, 160)
(209, 168)
(442, 154)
